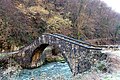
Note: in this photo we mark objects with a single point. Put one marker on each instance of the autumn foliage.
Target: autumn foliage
(22, 21)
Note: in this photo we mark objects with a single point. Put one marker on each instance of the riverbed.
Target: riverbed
(50, 71)
(59, 71)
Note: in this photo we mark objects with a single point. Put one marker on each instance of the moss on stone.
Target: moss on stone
(54, 59)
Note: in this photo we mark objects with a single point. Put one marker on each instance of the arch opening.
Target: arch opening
(55, 54)
(37, 54)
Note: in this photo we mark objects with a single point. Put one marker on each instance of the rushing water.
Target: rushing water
(45, 72)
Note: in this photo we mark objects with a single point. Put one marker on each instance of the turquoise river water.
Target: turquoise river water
(51, 71)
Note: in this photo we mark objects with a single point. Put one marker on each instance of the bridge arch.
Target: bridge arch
(38, 55)
(78, 54)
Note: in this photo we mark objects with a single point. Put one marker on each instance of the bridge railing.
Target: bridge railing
(110, 46)
(74, 42)
(79, 41)
(86, 43)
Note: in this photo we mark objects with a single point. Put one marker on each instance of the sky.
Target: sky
(115, 4)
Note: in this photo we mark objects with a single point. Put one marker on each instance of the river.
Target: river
(50, 71)
(56, 71)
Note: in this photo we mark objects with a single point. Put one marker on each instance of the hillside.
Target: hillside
(22, 21)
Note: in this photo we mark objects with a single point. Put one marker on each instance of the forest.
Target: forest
(22, 21)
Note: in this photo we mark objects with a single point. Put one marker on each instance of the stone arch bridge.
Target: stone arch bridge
(78, 54)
